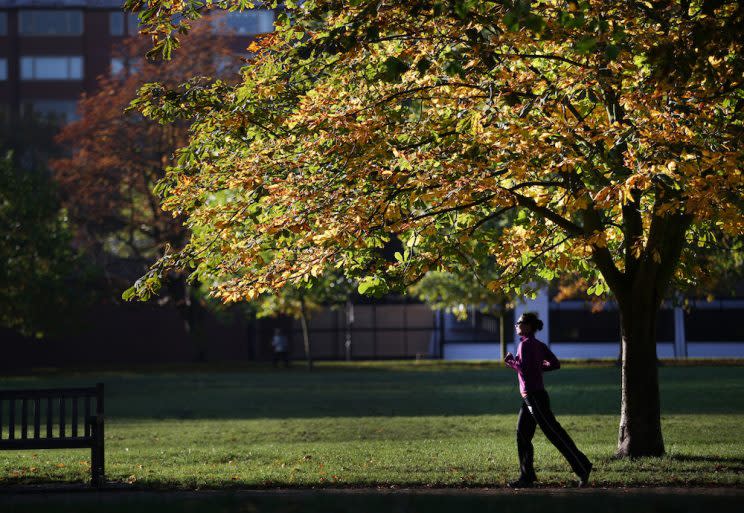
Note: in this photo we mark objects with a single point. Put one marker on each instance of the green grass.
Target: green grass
(384, 424)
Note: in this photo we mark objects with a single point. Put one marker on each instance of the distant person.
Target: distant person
(280, 344)
(533, 358)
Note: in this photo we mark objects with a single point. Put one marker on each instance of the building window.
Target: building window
(133, 25)
(117, 65)
(131, 65)
(56, 111)
(3, 24)
(3, 69)
(245, 23)
(51, 68)
(50, 23)
(116, 23)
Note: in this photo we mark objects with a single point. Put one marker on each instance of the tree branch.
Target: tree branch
(530, 204)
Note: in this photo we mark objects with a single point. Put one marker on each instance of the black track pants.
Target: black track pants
(536, 412)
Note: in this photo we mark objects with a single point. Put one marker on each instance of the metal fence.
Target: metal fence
(368, 331)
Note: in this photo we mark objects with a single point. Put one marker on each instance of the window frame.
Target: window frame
(221, 24)
(122, 24)
(65, 116)
(26, 12)
(68, 58)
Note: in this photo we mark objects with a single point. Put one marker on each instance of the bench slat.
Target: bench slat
(24, 418)
(50, 417)
(53, 443)
(62, 414)
(37, 418)
(74, 417)
(47, 392)
(86, 414)
(11, 420)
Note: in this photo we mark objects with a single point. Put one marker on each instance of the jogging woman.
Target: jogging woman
(533, 358)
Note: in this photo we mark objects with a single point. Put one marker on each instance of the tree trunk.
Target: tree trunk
(306, 335)
(640, 414)
(502, 335)
(192, 314)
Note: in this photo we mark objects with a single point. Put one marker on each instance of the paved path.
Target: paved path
(18, 491)
(79, 499)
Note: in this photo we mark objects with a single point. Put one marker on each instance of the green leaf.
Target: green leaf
(423, 66)
(392, 69)
(535, 23)
(453, 67)
(599, 289)
(129, 294)
(585, 45)
(511, 20)
(462, 9)
(612, 52)
(366, 285)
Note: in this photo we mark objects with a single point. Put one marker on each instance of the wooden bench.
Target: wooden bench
(52, 412)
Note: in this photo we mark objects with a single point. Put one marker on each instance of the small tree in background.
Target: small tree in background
(302, 300)
(42, 279)
(116, 159)
(454, 292)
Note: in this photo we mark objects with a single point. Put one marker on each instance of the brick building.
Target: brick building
(51, 51)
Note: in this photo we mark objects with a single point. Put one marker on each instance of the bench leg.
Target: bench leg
(97, 458)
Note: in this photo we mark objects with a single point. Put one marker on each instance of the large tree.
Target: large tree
(611, 132)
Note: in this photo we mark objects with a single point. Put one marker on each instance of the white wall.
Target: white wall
(490, 351)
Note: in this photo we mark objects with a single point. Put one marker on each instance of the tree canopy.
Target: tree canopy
(612, 130)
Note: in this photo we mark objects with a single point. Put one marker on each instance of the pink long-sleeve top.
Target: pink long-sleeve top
(532, 359)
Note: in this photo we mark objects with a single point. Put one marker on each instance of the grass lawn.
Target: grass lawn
(383, 424)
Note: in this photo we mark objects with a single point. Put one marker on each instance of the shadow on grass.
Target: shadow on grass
(296, 393)
(706, 459)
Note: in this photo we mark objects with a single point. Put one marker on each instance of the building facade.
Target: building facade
(52, 51)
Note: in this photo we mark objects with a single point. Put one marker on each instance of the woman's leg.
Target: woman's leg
(525, 432)
(540, 403)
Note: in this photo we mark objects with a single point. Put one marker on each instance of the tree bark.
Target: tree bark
(502, 335)
(640, 412)
(306, 335)
(193, 316)
(639, 291)
(192, 313)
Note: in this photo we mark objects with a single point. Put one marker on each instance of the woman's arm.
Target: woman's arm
(550, 361)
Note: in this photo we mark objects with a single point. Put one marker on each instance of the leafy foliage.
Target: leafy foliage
(41, 279)
(454, 292)
(304, 299)
(609, 132)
